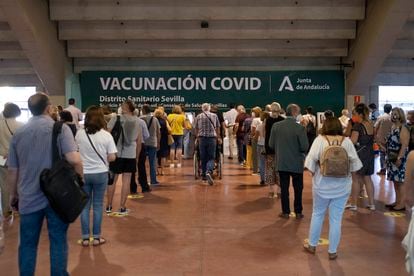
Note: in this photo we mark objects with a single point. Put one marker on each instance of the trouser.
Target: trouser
(262, 161)
(382, 159)
(231, 137)
(207, 153)
(30, 228)
(95, 187)
(5, 205)
(142, 173)
(297, 180)
(241, 153)
(336, 210)
(255, 162)
(249, 154)
(152, 157)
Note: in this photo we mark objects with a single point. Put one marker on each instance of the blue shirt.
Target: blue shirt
(30, 153)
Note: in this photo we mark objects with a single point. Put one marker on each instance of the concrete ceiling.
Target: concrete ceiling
(398, 68)
(242, 34)
(167, 35)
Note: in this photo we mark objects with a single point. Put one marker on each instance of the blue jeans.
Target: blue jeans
(336, 210)
(262, 162)
(207, 153)
(30, 228)
(152, 157)
(95, 187)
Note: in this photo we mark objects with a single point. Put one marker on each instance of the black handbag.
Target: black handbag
(62, 185)
(111, 175)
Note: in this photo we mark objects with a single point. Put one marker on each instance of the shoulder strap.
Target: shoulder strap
(326, 138)
(209, 120)
(90, 141)
(57, 129)
(150, 123)
(5, 120)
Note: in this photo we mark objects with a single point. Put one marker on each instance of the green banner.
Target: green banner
(321, 89)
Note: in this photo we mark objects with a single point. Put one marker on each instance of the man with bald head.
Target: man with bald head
(289, 141)
(30, 153)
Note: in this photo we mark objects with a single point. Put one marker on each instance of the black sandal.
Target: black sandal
(98, 241)
(85, 242)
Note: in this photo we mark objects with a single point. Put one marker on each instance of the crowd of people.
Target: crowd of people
(276, 144)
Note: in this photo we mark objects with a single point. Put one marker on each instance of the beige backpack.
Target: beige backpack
(334, 161)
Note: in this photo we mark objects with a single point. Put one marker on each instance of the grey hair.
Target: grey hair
(291, 108)
(275, 107)
(205, 107)
(241, 109)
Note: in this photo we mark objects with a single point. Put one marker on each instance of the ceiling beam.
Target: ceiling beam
(207, 10)
(374, 42)
(16, 67)
(107, 30)
(153, 64)
(397, 79)
(37, 35)
(208, 48)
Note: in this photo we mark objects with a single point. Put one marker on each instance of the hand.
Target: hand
(398, 162)
(219, 141)
(14, 203)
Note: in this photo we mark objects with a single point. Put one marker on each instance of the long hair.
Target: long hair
(94, 119)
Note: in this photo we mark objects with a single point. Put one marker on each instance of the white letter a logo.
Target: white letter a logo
(286, 84)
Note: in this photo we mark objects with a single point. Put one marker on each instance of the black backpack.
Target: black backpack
(116, 131)
(62, 185)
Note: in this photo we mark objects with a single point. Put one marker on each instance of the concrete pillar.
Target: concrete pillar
(376, 36)
(37, 35)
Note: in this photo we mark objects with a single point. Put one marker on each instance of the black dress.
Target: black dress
(365, 149)
(164, 147)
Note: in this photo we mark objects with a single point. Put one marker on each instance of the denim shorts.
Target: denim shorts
(178, 142)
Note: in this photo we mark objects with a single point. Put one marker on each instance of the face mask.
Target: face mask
(356, 119)
(253, 115)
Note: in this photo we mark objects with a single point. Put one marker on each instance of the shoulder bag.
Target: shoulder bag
(62, 185)
(111, 175)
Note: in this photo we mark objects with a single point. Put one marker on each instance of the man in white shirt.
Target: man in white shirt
(76, 113)
(229, 121)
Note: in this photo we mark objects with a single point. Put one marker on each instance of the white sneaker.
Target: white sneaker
(209, 178)
(179, 165)
(351, 207)
(371, 207)
(172, 165)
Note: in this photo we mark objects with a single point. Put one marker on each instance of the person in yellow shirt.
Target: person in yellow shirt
(176, 120)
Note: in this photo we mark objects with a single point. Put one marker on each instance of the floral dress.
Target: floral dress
(394, 173)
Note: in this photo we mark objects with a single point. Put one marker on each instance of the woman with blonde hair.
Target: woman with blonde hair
(176, 121)
(271, 176)
(164, 149)
(255, 123)
(397, 151)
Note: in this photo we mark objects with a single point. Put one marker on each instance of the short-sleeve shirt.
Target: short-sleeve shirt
(176, 122)
(76, 114)
(206, 124)
(30, 153)
(7, 128)
(103, 143)
(153, 127)
(331, 187)
(127, 143)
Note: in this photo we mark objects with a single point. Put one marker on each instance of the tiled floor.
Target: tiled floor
(185, 227)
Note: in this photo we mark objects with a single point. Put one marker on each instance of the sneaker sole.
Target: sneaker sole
(210, 179)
